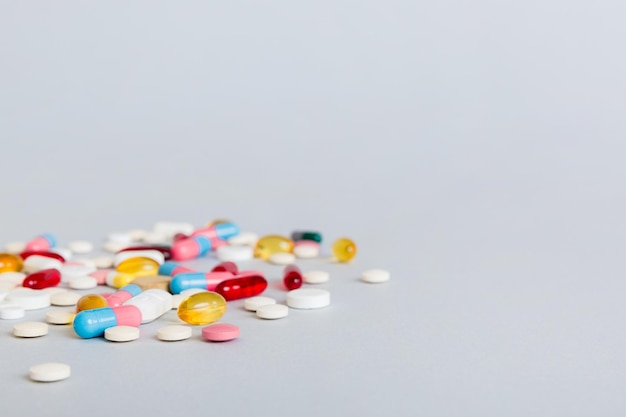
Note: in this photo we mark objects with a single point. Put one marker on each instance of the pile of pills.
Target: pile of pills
(148, 278)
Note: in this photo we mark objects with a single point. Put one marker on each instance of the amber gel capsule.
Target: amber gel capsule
(202, 308)
(10, 263)
(271, 244)
(344, 249)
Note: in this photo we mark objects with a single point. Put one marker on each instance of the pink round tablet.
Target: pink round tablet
(220, 332)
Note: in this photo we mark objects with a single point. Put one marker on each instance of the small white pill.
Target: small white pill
(71, 270)
(59, 316)
(66, 298)
(375, 276)
(169, 229)
(272, 311)
(36, 263)
(15, 248)
(83, 283)
(3, 294)
(66, 253)
(244, 238)
(174, 333)
(7, 286)
(156, 238)
(308, 298)
(253, 303)
(315, 277)
(120, 237)
(155, 255)
(30, 329)
(137, 234)
(114, 247)
(11, 311)
(103, 262)
(177, 299)
(49, 372)
(282, 258)
(81, 246)
(121, 333)
(29, 299)
(235, 253)
(15, 278)
(306, 251)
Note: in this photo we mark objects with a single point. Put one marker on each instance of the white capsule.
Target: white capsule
(244, 239)
(169, 229)
(272, 311)
(29, 299)
(235, 253)
(59, 316)
(81, 246)
(121, 333)
(11, 311)
(152, 303)
(36, 263)
(30, 329)
(315, 277)
(308, 298)
(49, 372)
(15, 248)
(376, 276)
(155, 255)
(174, 333)
(83, 283)
(282, 258)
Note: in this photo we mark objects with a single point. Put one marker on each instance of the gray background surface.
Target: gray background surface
(473, 148)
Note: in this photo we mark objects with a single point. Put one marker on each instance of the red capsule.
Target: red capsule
(226, 267)
(246, 284)
(165, 250)
(292, 277)
(47, 254)
(42, 279)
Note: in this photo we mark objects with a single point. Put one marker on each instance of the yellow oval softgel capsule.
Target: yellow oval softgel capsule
(139, 267)
(10, 263)
(271, 244)
(344, 249)
(202, 308)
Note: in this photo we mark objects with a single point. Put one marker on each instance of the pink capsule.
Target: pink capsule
(43, 242)
(122, 295)
(292, 277)
(101, 275)
(42, 279)
(191, 248)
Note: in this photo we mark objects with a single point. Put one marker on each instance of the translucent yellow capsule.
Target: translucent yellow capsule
(344, 249)
(271, 244)
(139, 267)
(10, 263)
(202, 308)
(91, 302)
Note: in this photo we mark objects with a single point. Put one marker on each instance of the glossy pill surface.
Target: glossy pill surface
(191, 248)
(202, 308)
(42, 279)
(344, 249)
(292, 277)
(91, 302)
(246, 284)
(307, 235)
(10, 263)
(139, 267)
(271, 244)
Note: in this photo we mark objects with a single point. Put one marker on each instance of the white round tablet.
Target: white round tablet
(114, 247)
(10, 311)
(54, 290)
(244, 238)
(29, 299)
(73, 270)
(49, 372)
(59, 316)
(121, 333)
(253, 303)
(282, 258)
(15, 248)
(315, 277)
(306, 251)
(120, 237)
(36, 263)
(81, 246)
(66, 298)
(83, 283)
(137, 234)
(103, 262)
(235, 253)
(174, 333)
(308, 298)
(272, 311)
(375, 276)
(15, 278)
(155, 238)
(30, 329)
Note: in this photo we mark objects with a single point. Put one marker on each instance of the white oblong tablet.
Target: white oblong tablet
(36, 263)
(308, 298)
(253, 303)
(120, 237)
(272, 311)
(235, 253)
(30, 329)
(10, 311)
(155, 255)
(174, 333)
(375, 276)
(71, 270)
(315, 277)
(282, 258)
(121, 333)
(83, 283)
(103, 262)
(169, 229)
(66, 298)
(15, 248)
(244, 239)
(137, 234)
(306, 251)
(54, 290)
(29, 299)
(49, 372)
(59, 316)
(81, 246)
(156, 238)
(66, 253)
(114, 247)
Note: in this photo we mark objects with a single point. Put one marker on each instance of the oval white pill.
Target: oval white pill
(174, 333)
(155, 238)
(253, 303)
(121, 333)
(177, 299)
(59, 316)
(315, 277)
(375, 276)
(15, 248)
(54, 290)
(66, 298)
(14, 278)
(169, 229)
(308, 298)
(120, 237)
(103, 262)
(306, 251)
(137, 234)
(10, 311)
(272, 311)
(71, 270)
(83, 283)
(36, 263)
(81, 246)
(114, 247)
(49, 372)
(235, 253)
(282, 258)
(29, 299)
(66, 253)
(244, 238)
(30, 329)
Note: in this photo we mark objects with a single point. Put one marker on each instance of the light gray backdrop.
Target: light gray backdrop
(473, 148)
